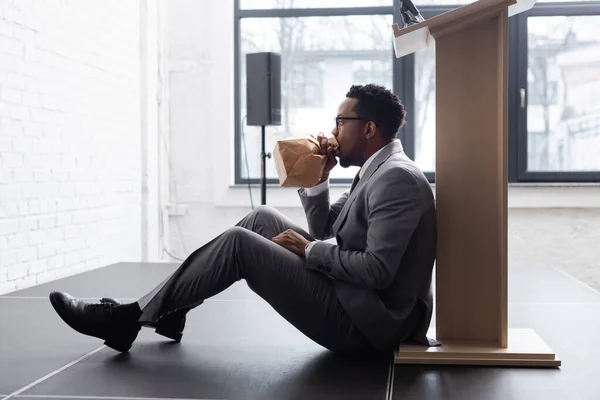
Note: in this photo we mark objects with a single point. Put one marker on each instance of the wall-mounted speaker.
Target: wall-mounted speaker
(263, 89)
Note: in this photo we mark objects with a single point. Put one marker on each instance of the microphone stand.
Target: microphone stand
(263, 168)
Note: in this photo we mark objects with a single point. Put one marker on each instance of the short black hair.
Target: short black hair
(379, 105)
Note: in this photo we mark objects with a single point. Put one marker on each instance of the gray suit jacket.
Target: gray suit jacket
(386, 232)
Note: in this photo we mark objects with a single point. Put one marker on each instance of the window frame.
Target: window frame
(404, 84)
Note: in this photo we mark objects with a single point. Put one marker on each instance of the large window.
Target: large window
(328, 45)
(557, 115)
(321, 57)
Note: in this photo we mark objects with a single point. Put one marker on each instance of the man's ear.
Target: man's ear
(370, 130)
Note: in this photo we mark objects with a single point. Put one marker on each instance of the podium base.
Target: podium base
(525, 349)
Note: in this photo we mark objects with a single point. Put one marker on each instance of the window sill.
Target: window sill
(520, 195)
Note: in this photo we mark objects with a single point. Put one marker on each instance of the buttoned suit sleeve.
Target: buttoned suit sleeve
(395, 206)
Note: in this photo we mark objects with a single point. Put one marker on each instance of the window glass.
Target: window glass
(424, 115)
(563, 83)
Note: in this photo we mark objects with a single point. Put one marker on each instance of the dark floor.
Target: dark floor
(236, 347)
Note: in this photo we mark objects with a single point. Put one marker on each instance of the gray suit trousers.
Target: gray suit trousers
(305, 298)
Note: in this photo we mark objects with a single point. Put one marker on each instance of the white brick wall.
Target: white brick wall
(70, 139)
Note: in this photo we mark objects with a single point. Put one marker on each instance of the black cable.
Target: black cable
(247, 167)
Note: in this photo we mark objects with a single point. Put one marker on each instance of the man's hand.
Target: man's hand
(293, 241)
(327, 150)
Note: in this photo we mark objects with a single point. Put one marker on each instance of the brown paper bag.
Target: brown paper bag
(299, 162)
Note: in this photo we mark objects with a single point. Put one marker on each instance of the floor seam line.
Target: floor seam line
(577, 303)
(125, 299)
(74, 397)
(577, 280)
(51, 374)
(555, 303)
(390, 380)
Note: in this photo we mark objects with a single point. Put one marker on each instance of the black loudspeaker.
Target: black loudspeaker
(263, 89)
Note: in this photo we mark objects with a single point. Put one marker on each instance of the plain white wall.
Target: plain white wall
(71, 127)
(549, 226)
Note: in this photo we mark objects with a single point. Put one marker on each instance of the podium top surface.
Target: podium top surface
(414, 37)
(465, 13)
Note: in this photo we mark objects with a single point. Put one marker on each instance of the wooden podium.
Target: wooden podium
(471, 189)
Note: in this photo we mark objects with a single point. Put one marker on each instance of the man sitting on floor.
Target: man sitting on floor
(367, 293)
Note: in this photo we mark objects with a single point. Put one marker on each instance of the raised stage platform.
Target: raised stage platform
(236, 347)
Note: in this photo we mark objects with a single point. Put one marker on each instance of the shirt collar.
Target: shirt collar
(370, 160)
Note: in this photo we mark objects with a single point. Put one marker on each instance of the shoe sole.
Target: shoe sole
(173, 335)
(121, 347)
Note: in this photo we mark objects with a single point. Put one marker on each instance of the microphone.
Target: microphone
(410, 13)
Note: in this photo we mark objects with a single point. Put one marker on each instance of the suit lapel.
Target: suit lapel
(394, 147)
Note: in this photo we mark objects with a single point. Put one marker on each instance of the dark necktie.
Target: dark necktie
(355, 182)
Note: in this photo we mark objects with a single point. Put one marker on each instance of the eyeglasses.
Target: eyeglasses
(338, 119)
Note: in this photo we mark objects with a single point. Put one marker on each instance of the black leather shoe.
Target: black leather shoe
(170, 326)
(118, 330)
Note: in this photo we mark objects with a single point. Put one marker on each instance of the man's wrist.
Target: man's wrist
(324, 178)
(307, 248)
(317, 189)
